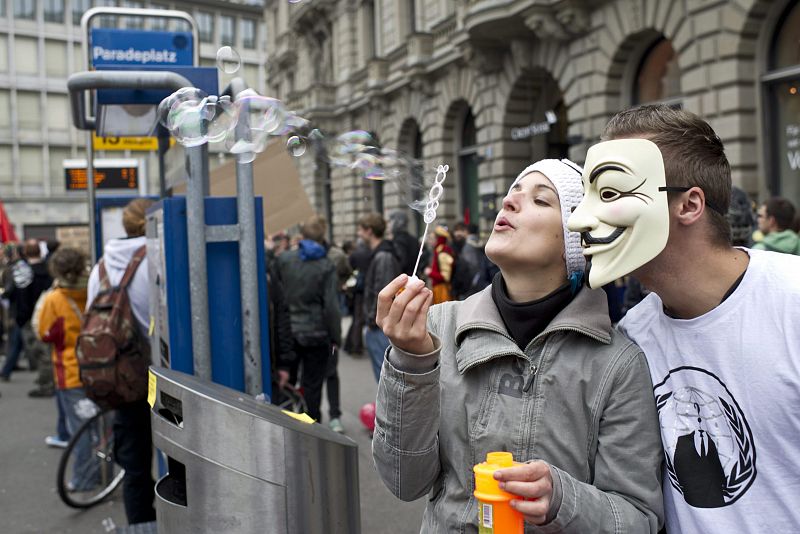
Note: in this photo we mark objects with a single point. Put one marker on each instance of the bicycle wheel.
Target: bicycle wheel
(87, 473)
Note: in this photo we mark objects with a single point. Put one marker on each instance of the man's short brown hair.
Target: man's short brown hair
(314, 229)
(783, 211)
(374, 222)
(693, 155)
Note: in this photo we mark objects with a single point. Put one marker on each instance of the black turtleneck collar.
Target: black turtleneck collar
(526, 320)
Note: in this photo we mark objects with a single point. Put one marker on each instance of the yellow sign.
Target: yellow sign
(127, 143)
(151, 388)
(302, 417)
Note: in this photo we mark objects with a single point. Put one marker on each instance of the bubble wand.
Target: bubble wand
(430, 209)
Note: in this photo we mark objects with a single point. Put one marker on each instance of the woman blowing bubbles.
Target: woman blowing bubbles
(531, 366)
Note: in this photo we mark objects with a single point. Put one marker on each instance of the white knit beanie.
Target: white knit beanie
(566, 176)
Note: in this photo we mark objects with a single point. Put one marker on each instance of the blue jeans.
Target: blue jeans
(15, 347)
(377, 343)
(61, 426)
(86, 471)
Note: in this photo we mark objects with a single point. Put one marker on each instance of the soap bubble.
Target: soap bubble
(228, 60)
(166, 107)
(222, 117)
(195, 122)
(262, 113)
(296, 145)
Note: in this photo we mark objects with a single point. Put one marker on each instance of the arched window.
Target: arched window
(468, 169)
(781, 86)
(658, 78)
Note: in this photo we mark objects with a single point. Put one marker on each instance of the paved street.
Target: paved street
(30, 505)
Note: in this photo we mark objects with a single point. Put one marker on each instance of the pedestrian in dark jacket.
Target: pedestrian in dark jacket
(383, 268)
(406, 246)
(309, 283)
(281, 342)
(343, 272)
(29, 278)
(359, 260)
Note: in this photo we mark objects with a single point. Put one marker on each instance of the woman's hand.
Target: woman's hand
(403, 314)
(534, 483)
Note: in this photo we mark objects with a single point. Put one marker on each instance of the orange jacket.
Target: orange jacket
(60, 325)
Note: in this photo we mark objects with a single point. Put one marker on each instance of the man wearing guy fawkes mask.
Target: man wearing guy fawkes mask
(720, 321)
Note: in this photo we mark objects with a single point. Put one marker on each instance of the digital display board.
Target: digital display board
(118, 174)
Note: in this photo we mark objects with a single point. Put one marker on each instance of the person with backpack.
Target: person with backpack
(59, 324)
(123, 266)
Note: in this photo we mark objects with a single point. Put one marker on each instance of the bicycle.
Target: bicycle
(87, 475)
(292, 399)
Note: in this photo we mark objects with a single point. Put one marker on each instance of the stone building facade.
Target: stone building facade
(487, 86)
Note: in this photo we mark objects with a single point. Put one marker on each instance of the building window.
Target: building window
(782, 88)
(79, 7)
(133, 22)
(658, 78)
(109, 21)
(227, 30)
(6, 176)
(369, 44)
(205, 27)
(54, 11)
(25, 9)
(249, 31)
(159, 23)
(28, 114)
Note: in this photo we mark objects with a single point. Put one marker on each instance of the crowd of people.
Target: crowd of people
(669, 402)
(314, 283)
(47, 292)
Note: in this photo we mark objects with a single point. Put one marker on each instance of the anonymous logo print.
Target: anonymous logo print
(709, 448)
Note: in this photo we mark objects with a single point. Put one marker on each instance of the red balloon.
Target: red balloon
(367, 416)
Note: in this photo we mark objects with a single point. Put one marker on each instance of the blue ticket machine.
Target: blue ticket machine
(171, 330)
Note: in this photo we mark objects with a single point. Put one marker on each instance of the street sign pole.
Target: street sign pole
(90, 190)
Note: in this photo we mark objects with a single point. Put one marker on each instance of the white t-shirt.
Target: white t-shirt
(727, 389)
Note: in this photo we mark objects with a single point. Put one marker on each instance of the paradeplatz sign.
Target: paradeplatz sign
(111, 46)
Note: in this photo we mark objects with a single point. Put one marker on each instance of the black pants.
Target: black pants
(133, 448)
(314, 361)
(354, 342)
(332, 385)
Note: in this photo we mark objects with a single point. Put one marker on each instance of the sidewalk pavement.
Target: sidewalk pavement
(28, 498)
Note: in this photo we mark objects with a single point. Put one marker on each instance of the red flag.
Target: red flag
(7, 233)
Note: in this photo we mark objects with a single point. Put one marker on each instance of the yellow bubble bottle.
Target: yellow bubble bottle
(495, 515)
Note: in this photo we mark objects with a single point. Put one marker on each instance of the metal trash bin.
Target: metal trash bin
(236, 465)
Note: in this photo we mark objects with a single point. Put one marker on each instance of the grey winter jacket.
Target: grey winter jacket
(579, 397)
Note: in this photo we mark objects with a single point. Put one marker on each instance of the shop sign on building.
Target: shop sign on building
(534, 128)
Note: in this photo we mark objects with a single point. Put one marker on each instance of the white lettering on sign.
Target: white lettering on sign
(792, 142)
(535, 128)
(530, 130)
(132, 55)
(794, 159)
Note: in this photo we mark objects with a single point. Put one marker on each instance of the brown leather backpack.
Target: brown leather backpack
(113, 355)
